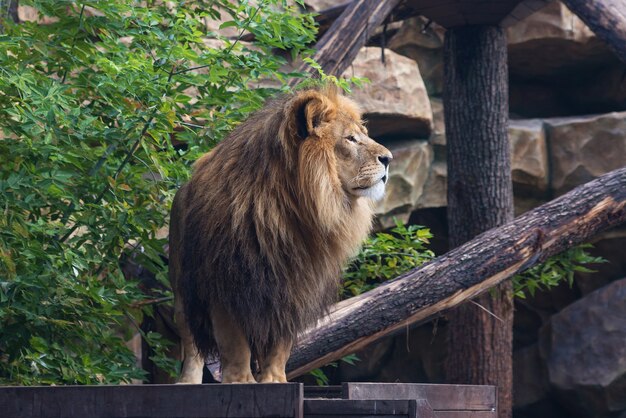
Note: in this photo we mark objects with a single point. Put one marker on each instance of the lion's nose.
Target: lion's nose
(385, 159)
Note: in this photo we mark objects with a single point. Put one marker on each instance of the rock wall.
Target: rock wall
(568, 126)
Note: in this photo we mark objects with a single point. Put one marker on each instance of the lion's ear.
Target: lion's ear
(307, 111)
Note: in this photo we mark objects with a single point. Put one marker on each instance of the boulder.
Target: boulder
(407, 176)
(319, 5)
(529, 157)
(584, 349)
(395, 102)
(423, 44)
(553, 42)
(585, 147)
(558, 67)
(438, 136)
(435, 190)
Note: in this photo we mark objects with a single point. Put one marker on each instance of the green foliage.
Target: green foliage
(555, 270)
(88, 165)
(321, 379)
(344, 83)
(386, 256)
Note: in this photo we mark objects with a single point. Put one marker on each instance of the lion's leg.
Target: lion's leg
(233, 347)
(193, 363)
(273, 364)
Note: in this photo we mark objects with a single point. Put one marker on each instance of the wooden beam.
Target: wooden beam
(464, 272)
(336, 50)
(126, 401)
(606, 18)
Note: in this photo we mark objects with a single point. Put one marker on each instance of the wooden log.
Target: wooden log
(336, 50)
(464, 272)
(606, 18)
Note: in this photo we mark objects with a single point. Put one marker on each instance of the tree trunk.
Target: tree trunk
(464, 272)
(343, 40)
(606, 18)
(480, 197)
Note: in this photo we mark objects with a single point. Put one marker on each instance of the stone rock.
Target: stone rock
(529, 158)
(319, 5)
(435, 191)
(585, 352)
(553, 41)
(423, 45)
(530, 378)
(395, 102)
(438, 136)
(407, 176)
(552, 21)
(585, 147)
(558, 67)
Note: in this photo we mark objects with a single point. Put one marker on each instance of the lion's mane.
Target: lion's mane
(266, 227)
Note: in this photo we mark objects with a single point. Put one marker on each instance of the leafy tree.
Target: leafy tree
(101, 113)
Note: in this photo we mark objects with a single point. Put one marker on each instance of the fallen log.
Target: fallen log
(464, 272)
(606, 18)
(336, 50)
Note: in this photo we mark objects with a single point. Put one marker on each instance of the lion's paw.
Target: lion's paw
(240, 377)
(272, 378)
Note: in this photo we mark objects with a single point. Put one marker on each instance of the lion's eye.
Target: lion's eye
(351, 138)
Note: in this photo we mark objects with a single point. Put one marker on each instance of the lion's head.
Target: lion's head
(335, 152)
(269, 218)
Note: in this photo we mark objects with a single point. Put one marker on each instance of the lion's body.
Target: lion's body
(263, 228)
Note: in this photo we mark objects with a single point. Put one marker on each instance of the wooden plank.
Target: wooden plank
(189, 401)
(440, 397)
(329, 408)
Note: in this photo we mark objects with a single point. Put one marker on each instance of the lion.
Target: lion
(261, 232)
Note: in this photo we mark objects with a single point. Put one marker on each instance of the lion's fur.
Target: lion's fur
(263, 228)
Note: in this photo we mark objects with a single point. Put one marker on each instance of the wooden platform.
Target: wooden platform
(354, 400)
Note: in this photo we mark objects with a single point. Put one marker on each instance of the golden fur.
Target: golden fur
(262, 230)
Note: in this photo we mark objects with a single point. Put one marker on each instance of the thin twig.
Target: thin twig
(147, 302)
(487, 310)
(80, 26)
(230, 48)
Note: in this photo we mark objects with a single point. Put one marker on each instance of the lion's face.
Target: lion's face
(331, 124)
(362, 163)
